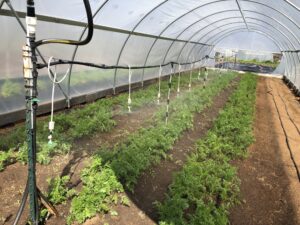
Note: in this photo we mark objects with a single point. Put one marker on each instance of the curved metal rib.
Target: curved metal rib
(278, 44)
(194, 23)
(160, 34)
(125, 42)
(207, 34)
(75, 51)
(268, 24)
(220, 20)
(223, 36)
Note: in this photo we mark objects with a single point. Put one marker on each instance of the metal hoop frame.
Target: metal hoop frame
(288, 38)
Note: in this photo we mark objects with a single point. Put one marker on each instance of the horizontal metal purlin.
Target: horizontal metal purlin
(5, 12)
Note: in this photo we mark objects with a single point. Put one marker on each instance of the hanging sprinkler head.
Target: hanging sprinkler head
(191, 74)
(159, 83)
(179, 77)
(51, 128)
(129, 104)
(54, 81)
(158, 98)
(129, 89)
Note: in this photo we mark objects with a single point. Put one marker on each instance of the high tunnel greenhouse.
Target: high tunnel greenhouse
(150, 112)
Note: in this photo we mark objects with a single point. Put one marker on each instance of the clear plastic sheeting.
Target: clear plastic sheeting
(255, 41)
(142, 33)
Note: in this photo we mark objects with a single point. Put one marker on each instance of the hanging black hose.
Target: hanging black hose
(107, 67)
(74, 42)
(30, 80)
(22, 205)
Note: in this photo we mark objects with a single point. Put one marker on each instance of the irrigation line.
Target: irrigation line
(38, 51)
(22, 205)
(103, 66)
(288, 113)
(285, 133)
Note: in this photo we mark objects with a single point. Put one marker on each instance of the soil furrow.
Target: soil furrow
(13, 178)
(153, 184)
(269, 183)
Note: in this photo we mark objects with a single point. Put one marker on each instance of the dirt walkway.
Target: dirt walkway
(269, 182)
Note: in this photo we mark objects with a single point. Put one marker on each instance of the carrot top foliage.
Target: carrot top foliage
(125, 162)
(207, 186)
(76, 123)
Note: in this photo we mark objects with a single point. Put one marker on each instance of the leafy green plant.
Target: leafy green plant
(45, 151)
(126, 161)
(200, 193)
(58, 190)
(149, 145)
(10, 88)
(79, 122)
(207, 186)
(22, 155)
(100, 189)
(5, 157)
(259, 63)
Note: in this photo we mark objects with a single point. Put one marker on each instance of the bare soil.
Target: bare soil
(269, 183)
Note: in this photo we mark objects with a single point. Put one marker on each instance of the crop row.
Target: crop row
(125, 162)
(207, 186)
(76, 123)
